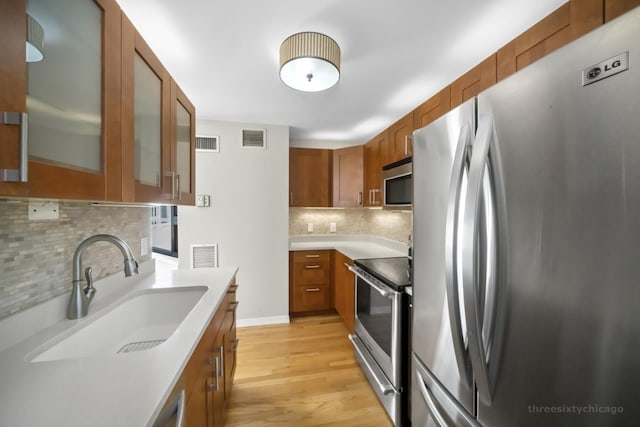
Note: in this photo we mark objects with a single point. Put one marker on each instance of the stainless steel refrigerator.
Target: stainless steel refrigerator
(526, 280)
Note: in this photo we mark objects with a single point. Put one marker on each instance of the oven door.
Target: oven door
(377, 323)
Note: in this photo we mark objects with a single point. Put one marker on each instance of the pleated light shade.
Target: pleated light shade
(309, 62)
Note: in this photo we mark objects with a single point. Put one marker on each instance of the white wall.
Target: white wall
(248, 217)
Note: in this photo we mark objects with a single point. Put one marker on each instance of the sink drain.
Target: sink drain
(139, 346)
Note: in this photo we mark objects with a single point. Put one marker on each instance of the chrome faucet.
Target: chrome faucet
(80, 298)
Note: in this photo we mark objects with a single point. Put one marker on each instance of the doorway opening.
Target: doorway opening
(164, 230)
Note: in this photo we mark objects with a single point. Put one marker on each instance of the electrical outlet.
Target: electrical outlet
(310, 227)
(332, 227)
(43, 210)
(144, 246)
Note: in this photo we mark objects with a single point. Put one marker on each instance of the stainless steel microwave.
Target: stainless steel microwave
(397, 184)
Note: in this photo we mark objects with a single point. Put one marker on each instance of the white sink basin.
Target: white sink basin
(140, 322)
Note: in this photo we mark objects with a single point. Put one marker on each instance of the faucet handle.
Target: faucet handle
(89, 291)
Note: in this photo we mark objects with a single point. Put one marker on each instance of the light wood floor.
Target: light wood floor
(301, 374)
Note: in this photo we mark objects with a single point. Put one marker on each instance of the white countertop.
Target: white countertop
(353, 246)
(112, 390)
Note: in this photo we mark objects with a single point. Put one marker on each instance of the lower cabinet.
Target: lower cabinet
(208, 376)
(344, 290)
(310, 281)
(321, 281)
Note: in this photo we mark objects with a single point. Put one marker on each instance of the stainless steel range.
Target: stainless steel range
(381, 330)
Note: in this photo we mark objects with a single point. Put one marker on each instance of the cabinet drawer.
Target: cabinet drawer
(311, 298)
(312, 273)
(311, 256)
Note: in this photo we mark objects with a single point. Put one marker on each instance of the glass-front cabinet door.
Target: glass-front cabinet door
(183, 163)
(69, 92)
(145, 119)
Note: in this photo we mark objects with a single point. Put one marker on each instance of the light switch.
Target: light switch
(310, 227)
(203, 200)
(332, 227)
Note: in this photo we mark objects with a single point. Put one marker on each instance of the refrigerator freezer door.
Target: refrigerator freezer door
(435, 406)
(438, 335)
(570, 161)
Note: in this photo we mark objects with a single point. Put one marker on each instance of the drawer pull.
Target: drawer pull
(233, 306)
(313, 290)
(312, 256)
(312, 266)
(233, 288)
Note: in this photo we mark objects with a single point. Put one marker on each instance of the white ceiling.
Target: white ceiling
(395, 55)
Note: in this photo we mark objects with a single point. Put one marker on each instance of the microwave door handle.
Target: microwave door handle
(387, 293)
(451, 254)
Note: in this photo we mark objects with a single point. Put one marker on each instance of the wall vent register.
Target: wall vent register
(207, 144)
(254, 138)
(203, 256)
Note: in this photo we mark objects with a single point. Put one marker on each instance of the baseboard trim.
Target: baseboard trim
(262, 321)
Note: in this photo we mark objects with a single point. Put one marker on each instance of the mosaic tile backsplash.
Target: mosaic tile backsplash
(392, 225)
(36, 256)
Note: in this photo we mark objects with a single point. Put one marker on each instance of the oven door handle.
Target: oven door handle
(387, 293)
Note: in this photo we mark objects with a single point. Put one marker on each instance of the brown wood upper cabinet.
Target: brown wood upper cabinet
(432, 109)
(69, 156)
(183, 150)
(373, 158)
(310, 172)
(479, 78)
(88, 135)
(158, 128)
(400, 139)
(146, 107)
(348, 176)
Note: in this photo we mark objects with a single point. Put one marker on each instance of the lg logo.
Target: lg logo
(596, 71)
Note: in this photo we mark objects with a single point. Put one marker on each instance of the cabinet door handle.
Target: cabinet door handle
(221, 350)
(235, 345)
(22, 173)
(312, 256)
(312, 266)
(177, 185)
(406, 145)
(313, 290)
(359, 198)
(215, 361)
(291, 198)
(172, 175)
(233, 306)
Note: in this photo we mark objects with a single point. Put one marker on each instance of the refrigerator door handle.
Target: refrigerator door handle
(429, 399)
(451, 253)
(444, 410)
(480, 311)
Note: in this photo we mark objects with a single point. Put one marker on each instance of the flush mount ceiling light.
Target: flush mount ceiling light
(35, 40)
(309, 62)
